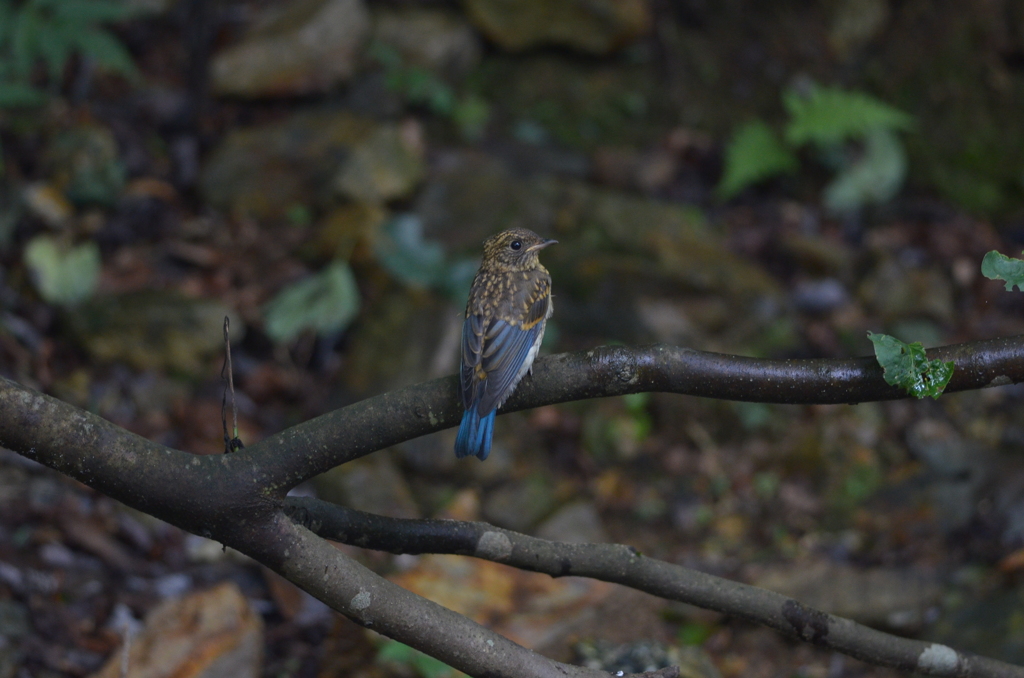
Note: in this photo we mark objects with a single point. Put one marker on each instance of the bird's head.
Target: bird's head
(516, 248)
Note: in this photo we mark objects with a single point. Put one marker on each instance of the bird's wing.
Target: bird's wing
(472, 343)
(494, 354)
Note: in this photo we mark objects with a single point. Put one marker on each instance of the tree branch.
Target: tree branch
(318, 445)
(376, 603)
(236, 499)
(220, 497)
(625, 565)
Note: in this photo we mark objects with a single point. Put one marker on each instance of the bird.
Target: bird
(508, 308)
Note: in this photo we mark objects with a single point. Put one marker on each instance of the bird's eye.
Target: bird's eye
(516, 245)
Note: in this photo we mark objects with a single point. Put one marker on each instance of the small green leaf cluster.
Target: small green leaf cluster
(47, 33)
(417, 262)
(50, 32)
(833, 122)
(420, 87)
(907, 366)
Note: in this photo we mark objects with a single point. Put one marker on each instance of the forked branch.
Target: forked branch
(624, 565)
(239, 499)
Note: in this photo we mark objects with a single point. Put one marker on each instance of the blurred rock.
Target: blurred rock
(683, 247)
(959, 468)
(152, 330)
(552, 100)
(628, 168)
(814, 254)
(342, 228)
(819, 296)
(372, 484)
(577, 523)
(175, 585)
(264, 171)
(666, 320)
(614, 248)
(603, 231)
(594, 27)
(308, 47)
(888, 597)
(855, 23)
(940, 446)
(439, 41)
(645, 655)
(471, 196)
(896, 291)
(519, 504)
(386, 165)
(398, 339)
(208, 634)
(532, 609)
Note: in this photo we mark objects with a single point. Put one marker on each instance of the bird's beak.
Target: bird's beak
(541, 245)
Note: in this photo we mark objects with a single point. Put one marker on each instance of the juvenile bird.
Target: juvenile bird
(509, 304)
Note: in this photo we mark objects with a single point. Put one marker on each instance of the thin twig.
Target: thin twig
(232, 442)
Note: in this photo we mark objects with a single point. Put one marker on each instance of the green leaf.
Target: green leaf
(753, 155)
(907, 366)
(6, 20)
(26, 29)
(107, 51)
(53, 48)
(996, 266)
(326, 302)
(694, 633)
(426, 666)
(875, 178)
(20, 95)
(91, 11)
(63, 275)
(828, 115)
(403, 251)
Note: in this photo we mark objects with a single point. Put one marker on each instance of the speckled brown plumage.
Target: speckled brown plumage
(509, 304)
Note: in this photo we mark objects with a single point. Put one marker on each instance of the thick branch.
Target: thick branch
(206, 495)
(376, 603)
(234, 498)
(218, 497)
(624, 565)
(320, 444)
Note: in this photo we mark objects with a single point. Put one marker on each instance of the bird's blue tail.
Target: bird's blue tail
(474, 435)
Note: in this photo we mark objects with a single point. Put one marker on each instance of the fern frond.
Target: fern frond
(829, 115)
(753, 155)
